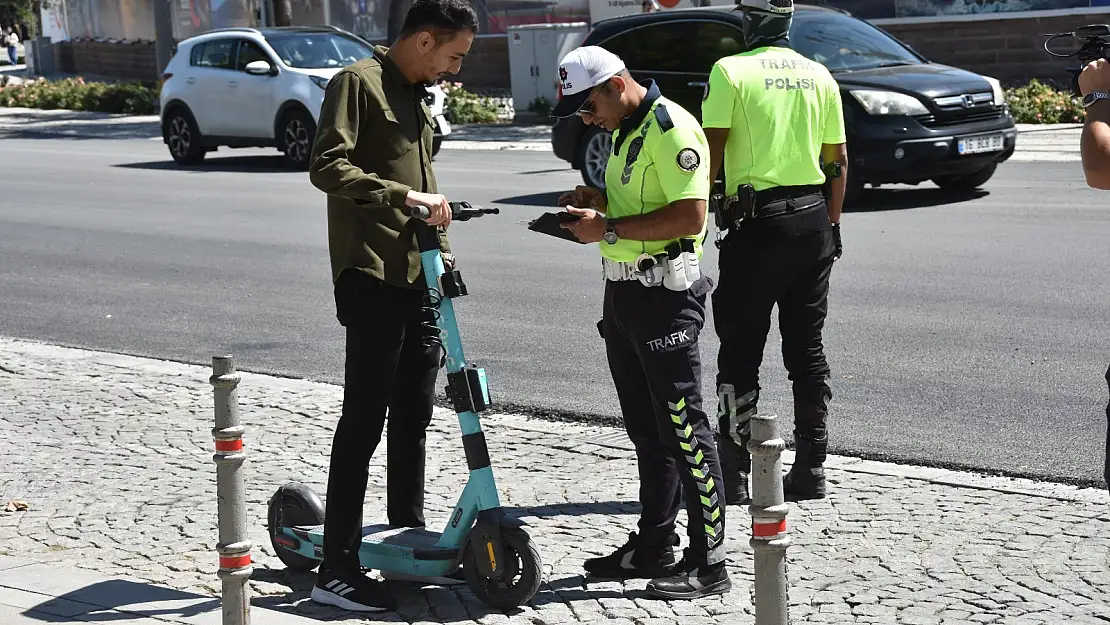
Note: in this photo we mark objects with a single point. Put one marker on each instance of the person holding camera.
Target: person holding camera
(771, 116)
(1094, 145)
(651, 220)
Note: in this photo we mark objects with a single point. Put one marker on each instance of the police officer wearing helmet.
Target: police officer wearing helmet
(651, 221)
(772, 117)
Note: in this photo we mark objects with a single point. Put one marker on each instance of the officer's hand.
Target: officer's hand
(437, 205)
(581, 196)
(1095, 77)
(589, 228)
(836, 243)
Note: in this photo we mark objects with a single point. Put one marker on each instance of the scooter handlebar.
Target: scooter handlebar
(460, 211)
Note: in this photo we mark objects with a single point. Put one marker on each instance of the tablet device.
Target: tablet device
(548, 223)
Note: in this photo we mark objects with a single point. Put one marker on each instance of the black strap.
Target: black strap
(777, 194)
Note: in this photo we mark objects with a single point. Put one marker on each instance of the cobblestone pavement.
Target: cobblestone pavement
(113, 455)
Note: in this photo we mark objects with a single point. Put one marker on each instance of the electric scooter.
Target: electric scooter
(500, 563)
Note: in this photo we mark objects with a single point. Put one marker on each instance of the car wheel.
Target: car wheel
(969, 182)
(183, 138)
(596, 147)
(436, 142)
(297, 133)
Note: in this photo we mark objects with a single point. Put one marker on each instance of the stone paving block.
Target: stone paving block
(121, 483)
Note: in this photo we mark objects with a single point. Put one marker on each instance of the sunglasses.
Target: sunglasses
(590, 107)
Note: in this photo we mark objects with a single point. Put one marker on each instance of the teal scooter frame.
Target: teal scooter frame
(500, 562)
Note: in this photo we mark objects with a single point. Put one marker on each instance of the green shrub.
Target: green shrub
(75, 94)
(1038, 103)
(540, 106)
(464, 107)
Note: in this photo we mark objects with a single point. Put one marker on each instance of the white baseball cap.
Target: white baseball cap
(580, 71)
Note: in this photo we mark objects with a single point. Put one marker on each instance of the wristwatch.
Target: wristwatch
(1093, 97)
(610, 235)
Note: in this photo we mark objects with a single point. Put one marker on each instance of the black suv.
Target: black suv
(908, 120)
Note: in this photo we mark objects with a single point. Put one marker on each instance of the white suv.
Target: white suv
(259, 87)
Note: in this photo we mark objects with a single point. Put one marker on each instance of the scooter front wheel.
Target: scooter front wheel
(293, 505)
(522, 575)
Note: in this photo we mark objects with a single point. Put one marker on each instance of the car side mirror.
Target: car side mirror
(260, 68)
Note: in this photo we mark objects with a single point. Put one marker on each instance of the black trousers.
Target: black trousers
(784, 260)
(651, 340)
(391, 370)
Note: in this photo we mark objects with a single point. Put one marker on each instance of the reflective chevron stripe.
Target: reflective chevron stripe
(695, 460)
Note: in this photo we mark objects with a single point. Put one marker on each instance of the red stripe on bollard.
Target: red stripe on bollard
(235, 445)
(769, 529)
(235, 562)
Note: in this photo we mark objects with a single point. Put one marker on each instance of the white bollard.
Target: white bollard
(768, 509)
(234, 548)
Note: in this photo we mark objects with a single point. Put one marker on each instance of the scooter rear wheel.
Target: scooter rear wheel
(295, 505)
(522, 576)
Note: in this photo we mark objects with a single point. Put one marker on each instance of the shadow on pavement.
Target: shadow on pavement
(234, 164)
(548, 199)
(881, 199)
(452, 604)
(126, 599)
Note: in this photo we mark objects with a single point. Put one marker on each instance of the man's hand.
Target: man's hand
(590, 226)
(839, 247)
(1095, 77)
(583, 196)
(437, 204)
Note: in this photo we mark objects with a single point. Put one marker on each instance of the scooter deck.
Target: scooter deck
(410, 550)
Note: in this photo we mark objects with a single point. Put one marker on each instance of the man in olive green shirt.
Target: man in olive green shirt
(372, 156)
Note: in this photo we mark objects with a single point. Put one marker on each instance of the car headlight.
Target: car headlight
(320, 81)
(996, 87)
(888, 102)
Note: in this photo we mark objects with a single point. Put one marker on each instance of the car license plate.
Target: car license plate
(981, 143)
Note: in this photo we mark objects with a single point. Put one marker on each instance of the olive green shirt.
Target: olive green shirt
(373, 144)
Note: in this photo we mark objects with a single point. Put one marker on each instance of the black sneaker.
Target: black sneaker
(351, 590)
(634, 560)
(692, 580)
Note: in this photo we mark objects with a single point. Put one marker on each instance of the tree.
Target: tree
(26, 12)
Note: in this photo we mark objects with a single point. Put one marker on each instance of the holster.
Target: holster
(734, 209)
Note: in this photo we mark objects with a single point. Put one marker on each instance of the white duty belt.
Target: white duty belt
(677, 270)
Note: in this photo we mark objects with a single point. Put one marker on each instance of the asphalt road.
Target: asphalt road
(965, 331)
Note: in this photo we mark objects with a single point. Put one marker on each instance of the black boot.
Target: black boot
(806, 479)
(692, 579)
(635, 560)
(736, 464)
(736, 461)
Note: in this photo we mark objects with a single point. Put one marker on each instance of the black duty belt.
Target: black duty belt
(778, 194)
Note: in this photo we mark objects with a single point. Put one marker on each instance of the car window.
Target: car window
(318, 50)
(844, 43)
(216, 54)
(249, 52)
(652, 48)
(708, 42)
(196, 53)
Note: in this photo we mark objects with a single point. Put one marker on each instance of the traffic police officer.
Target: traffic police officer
(773, 116)
(652, 218)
